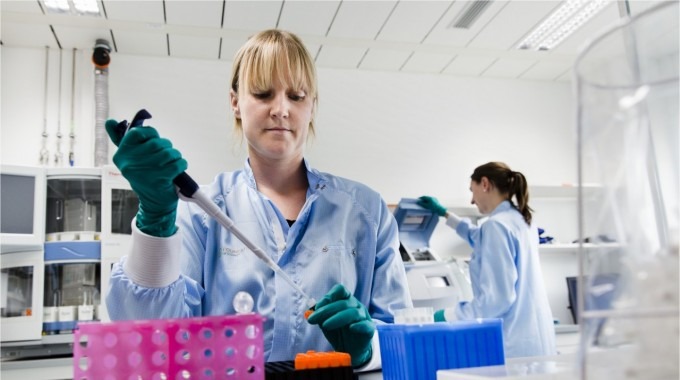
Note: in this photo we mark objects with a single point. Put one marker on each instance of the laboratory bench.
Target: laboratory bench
(554, 367)
(567, 345)
(62, 368)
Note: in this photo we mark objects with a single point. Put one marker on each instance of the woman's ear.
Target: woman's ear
(233, 99)
(486, 184)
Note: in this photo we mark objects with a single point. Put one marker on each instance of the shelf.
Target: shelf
(573, 247)
(562, 191)
(558, 248)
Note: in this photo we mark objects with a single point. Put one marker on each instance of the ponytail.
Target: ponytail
(520, 189)
(509, 183)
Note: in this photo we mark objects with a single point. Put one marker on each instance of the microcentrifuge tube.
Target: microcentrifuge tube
(243, 303)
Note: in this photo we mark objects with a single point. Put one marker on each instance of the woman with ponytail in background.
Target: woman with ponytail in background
(505, 271)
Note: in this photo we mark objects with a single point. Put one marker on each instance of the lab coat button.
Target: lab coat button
(324, 249)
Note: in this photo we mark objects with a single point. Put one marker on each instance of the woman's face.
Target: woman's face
(480, 195)
(275, 121)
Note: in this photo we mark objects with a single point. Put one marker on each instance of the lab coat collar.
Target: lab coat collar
(503, 206)
(317, 180)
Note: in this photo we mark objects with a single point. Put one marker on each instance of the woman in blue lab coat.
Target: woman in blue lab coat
(333, 237)
(504, 268)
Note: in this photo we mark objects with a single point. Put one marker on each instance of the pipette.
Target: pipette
(189, 191)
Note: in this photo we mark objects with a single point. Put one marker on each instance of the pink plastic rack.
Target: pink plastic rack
(224, 347)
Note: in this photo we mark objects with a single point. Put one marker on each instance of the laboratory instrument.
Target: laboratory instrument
(189, 191)
(72, 248)
(119, 207)
(22, 234)
(432, 282)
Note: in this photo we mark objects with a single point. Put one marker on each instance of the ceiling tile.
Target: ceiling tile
(194, 47)
(360, 19)
(388, 60)
(141, 43)
(566, 77)
(508, 68)
(251, 15)
(339, 56)
(547, 70)
(80, 37)
(140, 11)
(15, 34)
(313, 49)
(308, 17)
(469, 65)
(512, 23)
(427, 62)
(20, 6)
(229, 48)
(442, 34)
(411, 21)
(207, 14)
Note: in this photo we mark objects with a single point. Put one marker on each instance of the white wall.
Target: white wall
(402, 134)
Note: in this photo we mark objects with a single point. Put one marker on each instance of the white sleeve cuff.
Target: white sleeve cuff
(375, 362)
(450, 314)
(453, 220)
(153, 262)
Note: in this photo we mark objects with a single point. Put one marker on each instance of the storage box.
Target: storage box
(417, 351)
(224, 347)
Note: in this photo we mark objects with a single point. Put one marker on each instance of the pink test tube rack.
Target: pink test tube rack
(224, 347)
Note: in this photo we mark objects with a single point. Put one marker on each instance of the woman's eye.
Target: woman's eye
(296, 97)
(262, 95)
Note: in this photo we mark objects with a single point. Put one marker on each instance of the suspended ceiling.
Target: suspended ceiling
(405, 36)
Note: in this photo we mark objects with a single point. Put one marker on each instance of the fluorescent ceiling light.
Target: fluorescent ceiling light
(566, 19)
(82, 7)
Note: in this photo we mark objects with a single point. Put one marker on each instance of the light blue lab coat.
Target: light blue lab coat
(507, 283)
(344, 234)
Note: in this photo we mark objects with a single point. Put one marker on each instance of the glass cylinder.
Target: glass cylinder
(627, 99)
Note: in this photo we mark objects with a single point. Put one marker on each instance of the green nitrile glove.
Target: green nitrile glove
(345, 323)
(432, 204)
(149, 163)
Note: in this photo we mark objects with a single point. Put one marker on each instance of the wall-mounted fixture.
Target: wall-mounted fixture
(566, 19)
(81, 7)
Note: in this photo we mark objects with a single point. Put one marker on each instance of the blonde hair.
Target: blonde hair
(272, 55)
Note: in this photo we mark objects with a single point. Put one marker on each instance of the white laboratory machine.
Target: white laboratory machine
(72, 248)
(22, 233)
(432, 282)
(119, 207)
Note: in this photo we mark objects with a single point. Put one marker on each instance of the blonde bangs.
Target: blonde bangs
(273, 56)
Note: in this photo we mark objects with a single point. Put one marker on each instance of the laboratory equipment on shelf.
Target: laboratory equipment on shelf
(119, 207)
(72, 249)
(22, 215)
(627, 99)
(432, 282)
(22, 232)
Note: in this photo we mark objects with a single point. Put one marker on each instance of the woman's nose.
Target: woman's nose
(280, 106)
